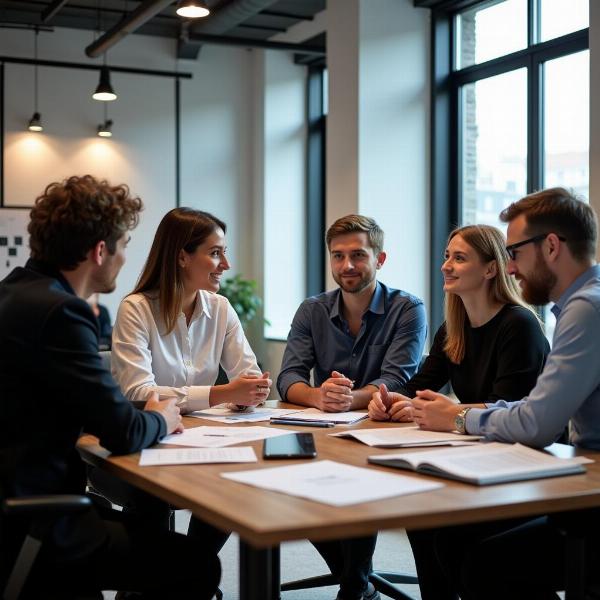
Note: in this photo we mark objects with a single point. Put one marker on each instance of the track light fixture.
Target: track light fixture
(192, 9)
(104, 92)
(105, 129)
(35, 123)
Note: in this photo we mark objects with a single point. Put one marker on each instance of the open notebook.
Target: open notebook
(485, 463)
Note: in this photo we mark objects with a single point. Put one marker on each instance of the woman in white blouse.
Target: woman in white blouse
(170, 335)
(173, 331)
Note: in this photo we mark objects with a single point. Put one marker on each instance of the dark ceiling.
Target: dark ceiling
(234, 22)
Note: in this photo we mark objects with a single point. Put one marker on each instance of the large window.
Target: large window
(510, 109)
(522, 82)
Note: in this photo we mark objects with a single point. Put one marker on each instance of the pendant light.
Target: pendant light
(105, 129)
(192, 9)
(35, 123)
(104, 92)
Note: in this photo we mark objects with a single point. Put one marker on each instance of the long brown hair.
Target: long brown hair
(180, 229)
(489, 243)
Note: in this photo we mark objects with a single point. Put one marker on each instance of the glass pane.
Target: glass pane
(559, 17)
(566, 131)
(490, 30)
(567, 122)
(494, 146)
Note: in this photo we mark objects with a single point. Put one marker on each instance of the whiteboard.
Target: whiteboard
(14, 250)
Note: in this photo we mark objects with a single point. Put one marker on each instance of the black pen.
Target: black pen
(303, 423)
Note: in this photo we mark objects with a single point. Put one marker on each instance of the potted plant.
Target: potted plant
(242, 295)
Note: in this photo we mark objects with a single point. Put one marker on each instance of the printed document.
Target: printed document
(193, 456)
(226, 415)
(217, 437)
(406, 437)
(314, 414)
(333, 483)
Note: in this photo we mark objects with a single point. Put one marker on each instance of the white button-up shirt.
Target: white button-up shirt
(185, 362)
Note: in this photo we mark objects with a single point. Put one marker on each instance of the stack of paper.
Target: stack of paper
(314, 414)
(406, 437)
(226, 415)
(217, 437)
(193, 456)
(332, 482)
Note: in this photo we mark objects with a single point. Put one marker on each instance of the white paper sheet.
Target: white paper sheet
(192, 456)
(406, 437)
(314, 414)
(226, 415)
(333, 483)
(218, 437)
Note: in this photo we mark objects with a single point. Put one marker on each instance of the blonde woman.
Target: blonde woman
(490, 347)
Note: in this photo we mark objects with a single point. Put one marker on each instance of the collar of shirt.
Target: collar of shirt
(51, 271)
(201, 308)
(376, 306)
(593, 271)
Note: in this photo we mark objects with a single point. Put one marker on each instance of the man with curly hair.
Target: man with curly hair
(54, 387)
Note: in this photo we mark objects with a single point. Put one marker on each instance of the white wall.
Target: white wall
(393, 154)
(377, 130)
(595, 106)
(215, 141)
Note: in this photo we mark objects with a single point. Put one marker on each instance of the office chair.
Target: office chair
(382, 580)
(30, 508)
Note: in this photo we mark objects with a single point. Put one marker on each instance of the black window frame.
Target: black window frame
(446, 84)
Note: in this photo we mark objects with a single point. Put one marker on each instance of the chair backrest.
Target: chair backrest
(105, 356)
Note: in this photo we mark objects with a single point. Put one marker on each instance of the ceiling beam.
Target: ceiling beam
(220, 22)
(142, 14)
(233, 14)
(52, 9)
(284, 15)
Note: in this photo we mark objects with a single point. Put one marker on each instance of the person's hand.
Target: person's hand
(401, 410)
(249, 390)
(434, 411)
(335, 394)
(169, 411)
(380, 404)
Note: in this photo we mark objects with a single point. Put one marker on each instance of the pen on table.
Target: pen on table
(303, 423)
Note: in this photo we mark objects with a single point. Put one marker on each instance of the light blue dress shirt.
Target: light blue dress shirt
(387, 349)
(569, 386)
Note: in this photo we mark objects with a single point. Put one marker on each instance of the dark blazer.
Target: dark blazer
(53, 387)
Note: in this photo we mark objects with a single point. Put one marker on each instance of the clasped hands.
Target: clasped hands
(334, 394)
(429, 410)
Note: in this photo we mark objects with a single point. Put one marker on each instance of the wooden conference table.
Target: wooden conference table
(263, 519)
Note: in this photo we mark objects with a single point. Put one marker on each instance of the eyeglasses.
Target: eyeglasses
(510, 250)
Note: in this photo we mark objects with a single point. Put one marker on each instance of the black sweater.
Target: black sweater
(503, 359)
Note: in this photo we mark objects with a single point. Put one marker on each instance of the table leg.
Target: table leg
(575, 567)
(259, 572)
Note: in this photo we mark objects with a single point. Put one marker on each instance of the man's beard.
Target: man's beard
(362, 283)
(536, 287)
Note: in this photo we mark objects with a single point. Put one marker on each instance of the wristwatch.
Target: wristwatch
(460, 421)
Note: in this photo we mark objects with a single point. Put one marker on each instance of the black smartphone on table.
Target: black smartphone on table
(293, 445)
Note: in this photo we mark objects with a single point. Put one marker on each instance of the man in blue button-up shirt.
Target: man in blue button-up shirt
(357, 336)
(552, 247)
(353, 339)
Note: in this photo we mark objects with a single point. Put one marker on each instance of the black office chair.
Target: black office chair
(382, 580)
(29, 508)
